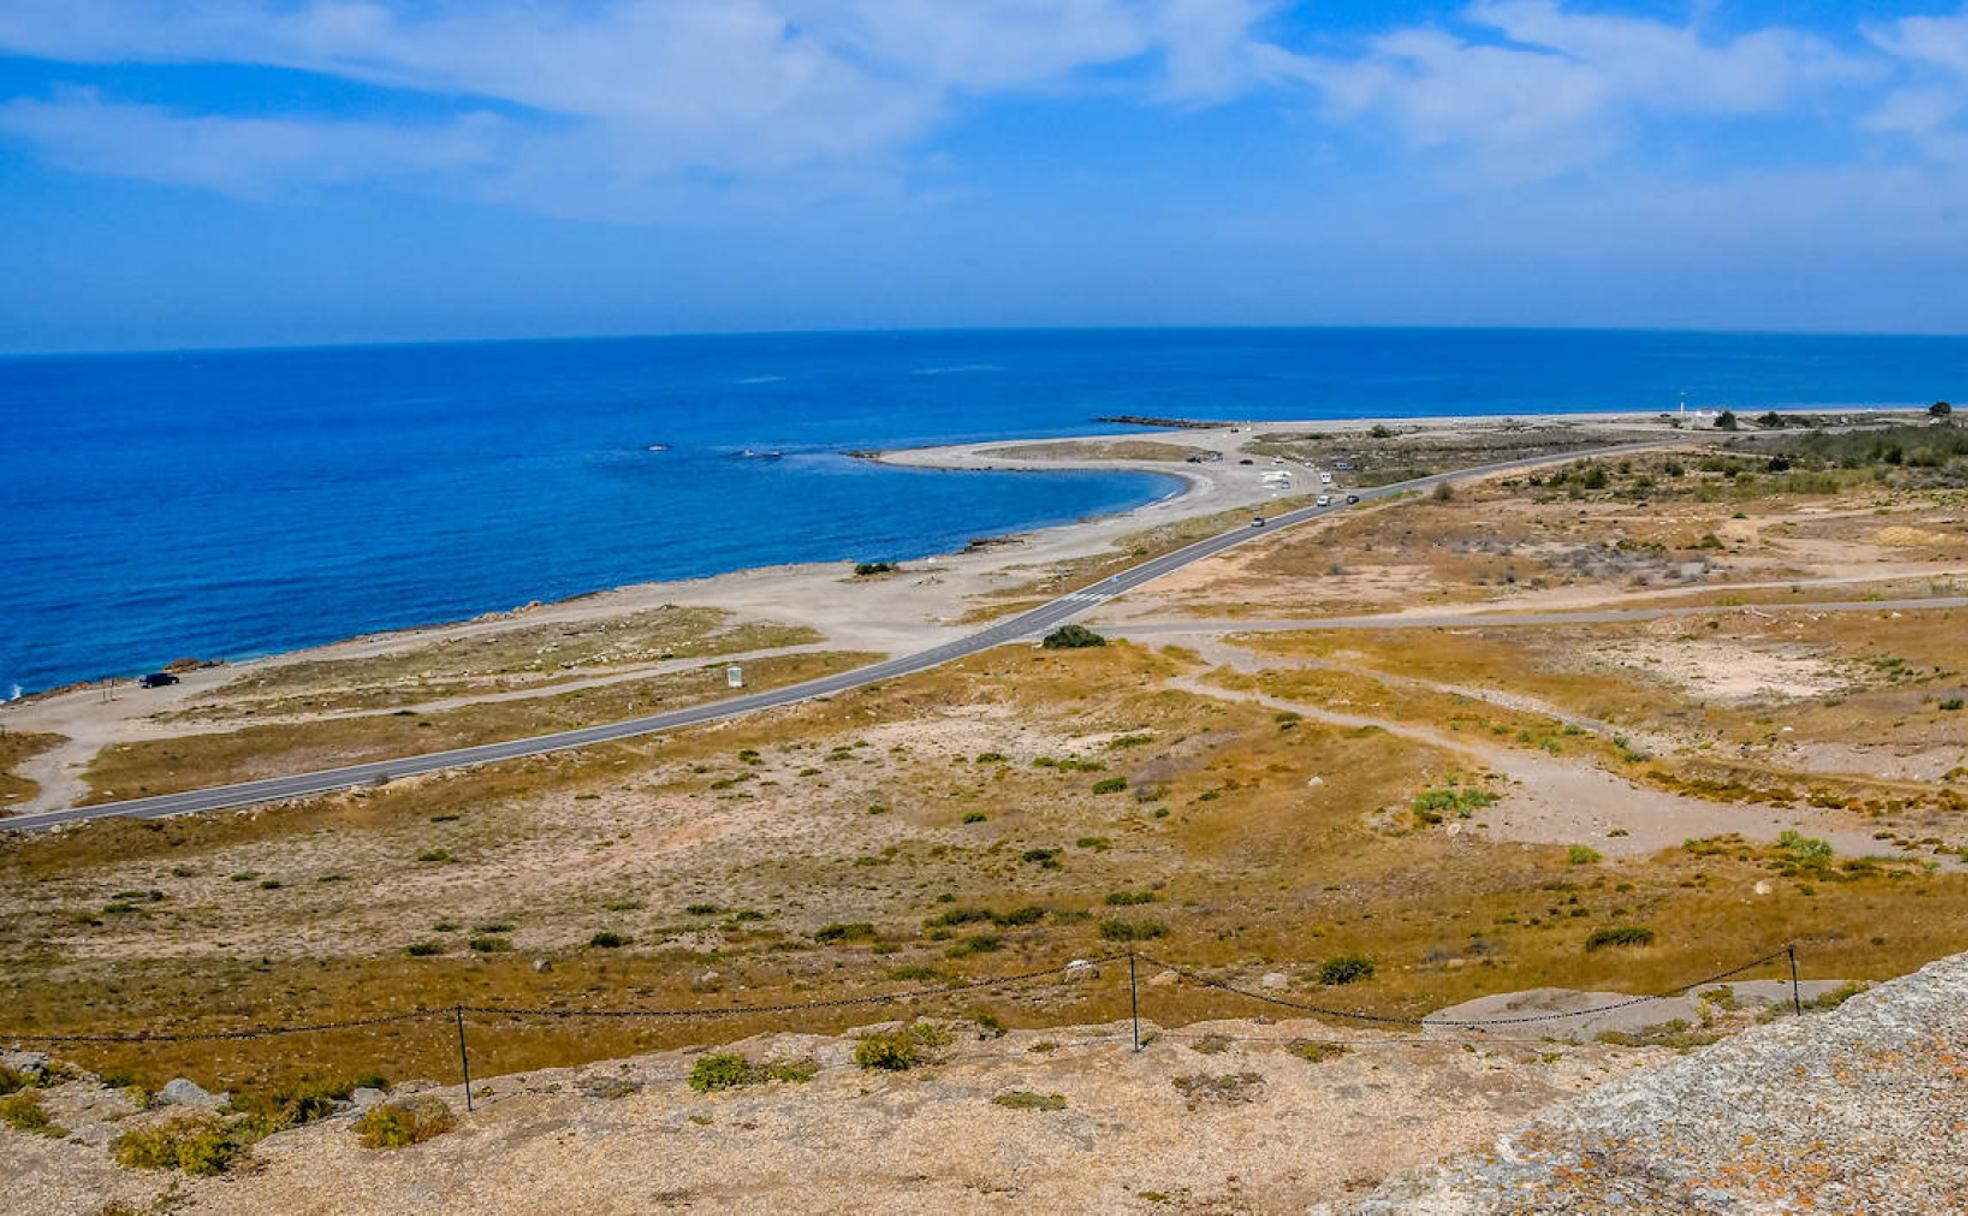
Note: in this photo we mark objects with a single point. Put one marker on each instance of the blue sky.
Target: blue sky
(248, 172)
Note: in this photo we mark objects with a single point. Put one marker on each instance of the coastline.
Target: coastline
(780, 590)
(927, 602)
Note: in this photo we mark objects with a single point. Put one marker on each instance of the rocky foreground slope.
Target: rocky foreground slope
(1860, 1109)
(1864, 1109)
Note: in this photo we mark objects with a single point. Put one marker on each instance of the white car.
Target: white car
(1325, 500)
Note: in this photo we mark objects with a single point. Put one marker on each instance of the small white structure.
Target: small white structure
(734, 676)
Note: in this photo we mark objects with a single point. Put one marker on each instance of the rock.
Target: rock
(1316, 782)
(1162, 979)
(1762, 886)
(541, 966)
(32, 1063)
(363, 1097)
(181, 1092)
(1274, 980)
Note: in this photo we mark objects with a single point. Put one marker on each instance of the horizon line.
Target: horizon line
(876, 331)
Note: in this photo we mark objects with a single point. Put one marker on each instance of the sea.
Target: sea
(225, 504)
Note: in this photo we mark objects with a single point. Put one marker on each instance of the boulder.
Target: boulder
(181, 1092)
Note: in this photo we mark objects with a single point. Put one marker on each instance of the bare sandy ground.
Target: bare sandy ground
(1241, 1125)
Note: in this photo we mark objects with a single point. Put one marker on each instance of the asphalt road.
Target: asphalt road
(1028, 624)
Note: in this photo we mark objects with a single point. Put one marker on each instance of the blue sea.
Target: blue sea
(226, 504)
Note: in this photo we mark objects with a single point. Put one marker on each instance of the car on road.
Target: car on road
(1352, 498)
(157, 679)
(1325, 500)
(1257, 521)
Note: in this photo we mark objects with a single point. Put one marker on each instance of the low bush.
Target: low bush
(1346, 969)
(489, 945)
(1072, 637)
(900, 1049)
(394, 1125)
(201, 1144)
(867, 569)
(1131, 931)
(606, 940)
(859, 931)
(1580, 855)
(1127, 899)
(1025, 1099)
(728, 1070)
(24, 1113)
(1313, 1051)
(1620, 935)
(1110, 785)
(423, 949)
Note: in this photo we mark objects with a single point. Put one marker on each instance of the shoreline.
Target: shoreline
(1199, 489)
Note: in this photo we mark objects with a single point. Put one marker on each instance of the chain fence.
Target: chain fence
(1073, 974)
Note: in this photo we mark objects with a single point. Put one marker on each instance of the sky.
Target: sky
(181, 173)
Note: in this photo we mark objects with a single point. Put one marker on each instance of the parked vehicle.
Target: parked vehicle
(157, 679)
(1325, 500)
(1351, 498)
(1257, 522)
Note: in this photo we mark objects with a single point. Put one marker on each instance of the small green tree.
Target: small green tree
(1940, 409)
(1726, 421)
(1072, 637)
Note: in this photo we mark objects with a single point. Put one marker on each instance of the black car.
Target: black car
(1352, 498)
(157, 679)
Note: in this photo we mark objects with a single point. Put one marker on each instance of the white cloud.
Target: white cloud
(245, 156)
(1930, 110)
(1554, 90)
(621, 97)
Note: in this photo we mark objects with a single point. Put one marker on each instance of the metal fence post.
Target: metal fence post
(464, 1059)
(1134, 1002)
(1796, 996)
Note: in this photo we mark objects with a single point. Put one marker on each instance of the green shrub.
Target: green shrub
(980, 943)
(918, 974)
(1951, 704)
(201, 1144)
(434, 855)
(1805, 850)
(1346, 969)
(900, 1049)
(1025, 1099)
(394, 1125)
(608, 941)
(12, 1080)
(1128, 899)
(1045, 859)
(1110, 785)
(1580, 855)
(975, 817)
(1072, 637)
(1620, 935)
(860, 930)
(866, 569)
(1030, 914)
(720, 1070)
(24, 1113)
(702, 910)
(489, 944)
(1131, 931)
(1312, 1051)
(423, 949)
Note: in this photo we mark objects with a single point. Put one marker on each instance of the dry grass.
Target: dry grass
(131, 770)
(1119, 449)
(724, 869)
(16, 747)
(526, 656)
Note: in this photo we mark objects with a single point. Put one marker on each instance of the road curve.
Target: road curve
(1024, 625)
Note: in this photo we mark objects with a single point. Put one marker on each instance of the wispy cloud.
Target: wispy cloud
(624, 107)
(1535, 90)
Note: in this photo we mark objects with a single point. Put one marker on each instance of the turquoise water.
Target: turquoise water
(222, 504)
